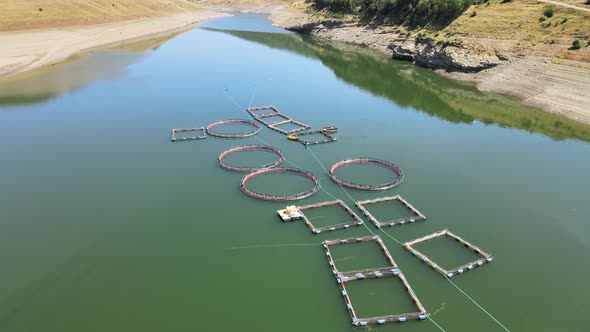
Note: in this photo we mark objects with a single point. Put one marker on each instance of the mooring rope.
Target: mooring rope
(326, 191)
(477, 304)
(252, 99)
(401, 243)
(389, 235)
(443, 306)
(322, 187)
(274, 246)
(436, 324)
(233, 100)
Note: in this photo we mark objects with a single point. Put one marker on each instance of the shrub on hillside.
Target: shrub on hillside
(577, 44)
(549, 11)
(337, 6)
(409, 12)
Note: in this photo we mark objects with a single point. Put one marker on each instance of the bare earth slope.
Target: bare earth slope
(38, 14)
(81, 25)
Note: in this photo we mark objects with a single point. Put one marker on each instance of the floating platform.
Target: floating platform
(391, 271)
(260, 111)
(328, 138)
(203, 135)
(356, 221)
(418, 216)
(290, 213)
(486, 257)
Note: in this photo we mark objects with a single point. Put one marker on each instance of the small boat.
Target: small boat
(330, 129)
(292, 137)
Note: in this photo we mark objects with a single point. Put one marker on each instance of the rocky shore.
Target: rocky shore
(400, 46)
(538, 81)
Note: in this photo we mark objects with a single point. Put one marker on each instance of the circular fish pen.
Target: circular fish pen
(210, 127)
(356, 161)
(250, 148)
(280, 198)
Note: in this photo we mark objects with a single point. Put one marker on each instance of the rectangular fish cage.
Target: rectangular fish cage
(391, 271)
(202, 130)
(259, 111)
(316, 230)
(416, 215)
(328, 138)
(277, 126)
(271, 119)
(485, 257)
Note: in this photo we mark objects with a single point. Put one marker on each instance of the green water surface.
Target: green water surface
(106, 225)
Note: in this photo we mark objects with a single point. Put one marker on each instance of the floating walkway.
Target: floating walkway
(486, 258)
(261, 111)
(365, 161)
(391, 271)
(271, 117)
(256, 130)
(274, 119)
(185, 130)
(317, 230)
(228, 152)
(417, 214)
(280, 198)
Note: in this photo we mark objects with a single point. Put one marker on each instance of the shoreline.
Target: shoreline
(541, 82)
(32, 49)
(536, 81)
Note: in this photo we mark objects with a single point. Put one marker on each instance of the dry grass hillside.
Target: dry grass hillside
(35, 14)
(521, 26)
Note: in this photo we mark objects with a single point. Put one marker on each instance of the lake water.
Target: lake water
(105, 225)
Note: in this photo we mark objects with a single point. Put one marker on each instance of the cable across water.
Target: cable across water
(370, 231)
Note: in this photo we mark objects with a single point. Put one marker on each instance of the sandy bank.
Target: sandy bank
(26, 50)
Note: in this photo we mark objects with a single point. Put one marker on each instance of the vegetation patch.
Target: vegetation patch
(549, 11)
(577, 44)
(407, 12)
